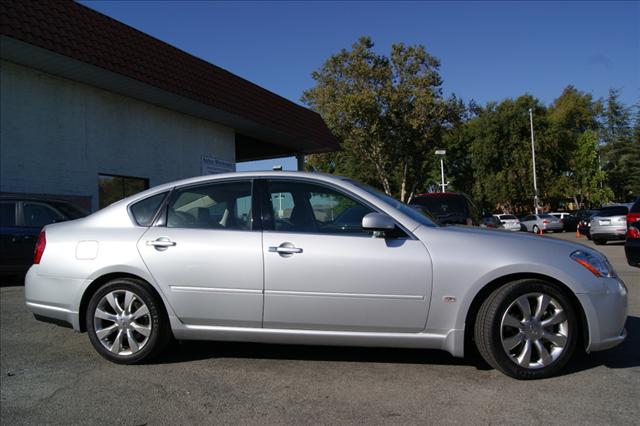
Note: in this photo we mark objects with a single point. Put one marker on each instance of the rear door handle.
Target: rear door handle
(285, 249)
(161, 243)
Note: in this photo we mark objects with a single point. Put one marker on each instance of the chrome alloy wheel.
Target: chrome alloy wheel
(122, 322)
(534, 330)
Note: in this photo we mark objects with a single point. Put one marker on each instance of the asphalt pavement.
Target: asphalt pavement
(52, 375)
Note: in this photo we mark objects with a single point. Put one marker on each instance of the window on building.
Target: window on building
(113, 188)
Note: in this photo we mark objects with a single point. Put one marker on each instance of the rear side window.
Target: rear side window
(225, 205)
(613, 211)
(144, 211)
(37, 215)
(7, 213)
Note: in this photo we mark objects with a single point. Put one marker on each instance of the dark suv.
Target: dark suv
(21, 219)
(632, 242)
(449, 207)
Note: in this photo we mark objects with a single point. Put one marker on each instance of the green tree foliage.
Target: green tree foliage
(390, 115)
(387, 111)
(621, 148)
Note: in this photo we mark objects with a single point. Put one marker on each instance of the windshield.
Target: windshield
(403, 208)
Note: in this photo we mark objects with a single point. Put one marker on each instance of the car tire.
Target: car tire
(536, 230)
(126, 322)
(527, 345)
(599, 242)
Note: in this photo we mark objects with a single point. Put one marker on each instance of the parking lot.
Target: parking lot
(52, 375)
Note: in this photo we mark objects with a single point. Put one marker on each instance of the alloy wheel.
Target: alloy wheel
(534, 330)
(122, 322)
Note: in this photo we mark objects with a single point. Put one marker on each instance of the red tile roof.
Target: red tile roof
(78, 32)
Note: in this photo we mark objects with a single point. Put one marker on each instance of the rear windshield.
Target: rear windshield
(507, 217)
(442, 204)
(545, 216)
(613, 211)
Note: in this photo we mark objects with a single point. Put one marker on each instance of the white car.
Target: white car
(509, 221)
(309, 258)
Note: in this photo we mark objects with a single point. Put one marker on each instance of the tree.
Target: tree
(387, 112)
(621, 149)
(586, 178)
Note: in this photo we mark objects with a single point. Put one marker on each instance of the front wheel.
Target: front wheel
(126, 323)
(527, 329)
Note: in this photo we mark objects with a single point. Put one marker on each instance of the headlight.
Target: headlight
(595, 263)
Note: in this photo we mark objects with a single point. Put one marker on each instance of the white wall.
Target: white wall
(56, 135)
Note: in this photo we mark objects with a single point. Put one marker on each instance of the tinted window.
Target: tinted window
(144, 211)
(212, 206)
(37, 215)
(7, 213)
(70, 210)
(636, 206)
(507, 217)
(545, 216)
(613, 211)
(304, 207)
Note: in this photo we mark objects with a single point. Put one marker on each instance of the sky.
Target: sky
(489, 51)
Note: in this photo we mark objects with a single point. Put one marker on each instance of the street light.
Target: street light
(533, 157)
(442, 153)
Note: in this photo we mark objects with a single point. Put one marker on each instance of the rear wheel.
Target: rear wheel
(527, 329)
(126, 323)
(536, 230)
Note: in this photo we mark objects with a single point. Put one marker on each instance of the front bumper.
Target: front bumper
(606, 314)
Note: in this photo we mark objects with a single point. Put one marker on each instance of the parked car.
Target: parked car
(450, 208)
(509, 222)
(563, 217)
(21, 219)
(570, 222)
(609, 224)
(584, 221)
(165, 263)
(632, 241)
(491, 222)
(535, 222)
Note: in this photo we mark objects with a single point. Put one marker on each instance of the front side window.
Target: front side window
(224, 205)
(37, 215)
(112, 188)
(305, 207)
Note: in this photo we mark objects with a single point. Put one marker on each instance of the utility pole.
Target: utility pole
(533, 157)
(442, 153)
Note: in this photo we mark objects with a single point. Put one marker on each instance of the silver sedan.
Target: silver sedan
(543, 221)
(300, 258)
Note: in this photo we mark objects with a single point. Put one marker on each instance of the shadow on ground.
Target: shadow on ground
(626, 355)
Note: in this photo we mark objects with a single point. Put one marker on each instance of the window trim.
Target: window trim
(264, 200)
(162, 215)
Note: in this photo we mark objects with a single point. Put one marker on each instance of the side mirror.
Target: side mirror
(378, 222)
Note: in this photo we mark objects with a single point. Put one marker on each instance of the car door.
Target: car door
(9, 236)
(207, 256)
(323, 272)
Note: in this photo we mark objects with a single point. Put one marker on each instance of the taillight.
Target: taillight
(40, 245)
(545, 221)
(633, 217)
(633, 233)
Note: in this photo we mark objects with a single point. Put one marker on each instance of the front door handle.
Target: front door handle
(285, 249)
(161, 243)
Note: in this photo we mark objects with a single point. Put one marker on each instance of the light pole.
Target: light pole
(533, 157)
(442, 153)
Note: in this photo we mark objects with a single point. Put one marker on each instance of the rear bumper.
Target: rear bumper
(608, 234)
(50, 297)
(606, 315)
(553, 227)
